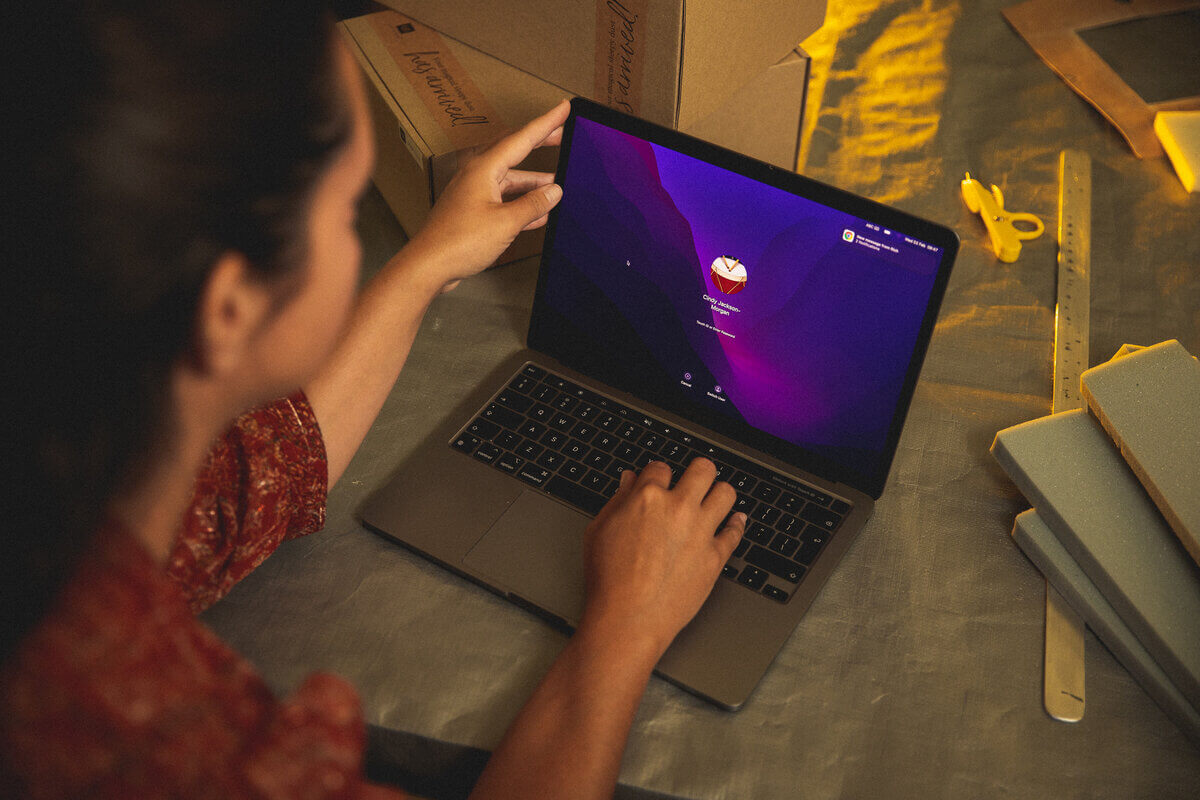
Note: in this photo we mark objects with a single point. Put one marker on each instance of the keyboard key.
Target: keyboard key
(607, 422)
(576, 495)
(651, 441)
(575, 449)
(583, 432)
(596, 481)
(627, 452)
(759, 534)
(533, 371)
(643, 459)
(586, 412)
(551, 460)
(509, 463)
(523, 384)
(504, 417)
(729, 571)
(775, 564)
(597, 459)
(629, 431)
(615, 469)
(744, 504)
(483, 429)
(533, 475)
(573, 470)
(554, 439)
(723, 470)
(561, 422)
(790, 525)
(742, 547)
(790, 503)
(742, 482)
(517, 402)
(767, 514)
(809, 548)
(605, 442)
(533, 430)
(674, 451)
(507, 439)
(487, 453)
(541, 413)
(775, 593)
(565, 402)
(752, 577)
(767, 492)
(529, 449)
(465, 443)
(544, 393)
(839, 507)
(784, 544)
(821, 517)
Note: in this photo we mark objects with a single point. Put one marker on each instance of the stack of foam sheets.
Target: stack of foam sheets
(1115, 490)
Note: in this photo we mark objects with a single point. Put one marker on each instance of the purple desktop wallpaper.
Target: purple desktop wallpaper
(814, 347)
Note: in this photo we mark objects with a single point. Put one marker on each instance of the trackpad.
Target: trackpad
(535, 550)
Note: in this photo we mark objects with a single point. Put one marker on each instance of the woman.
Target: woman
(187, 235)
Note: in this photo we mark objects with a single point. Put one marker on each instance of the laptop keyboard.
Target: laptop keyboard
(574, 444)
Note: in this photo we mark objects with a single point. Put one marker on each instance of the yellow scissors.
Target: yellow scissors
(1006, 237)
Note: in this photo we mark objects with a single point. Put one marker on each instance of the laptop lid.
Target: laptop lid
(776, 310)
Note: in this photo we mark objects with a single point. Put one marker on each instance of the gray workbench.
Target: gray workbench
(917, 672)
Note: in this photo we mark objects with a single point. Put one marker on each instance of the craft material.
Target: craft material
(1072, 473)
(1053, 29)
(1179, 132)
(1006, 237)
(1038, 542)
(1149, 404)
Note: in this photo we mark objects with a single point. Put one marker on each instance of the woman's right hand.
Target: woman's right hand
(651, 554)
(488, 202)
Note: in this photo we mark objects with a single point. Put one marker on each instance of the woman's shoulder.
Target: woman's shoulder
(120, 687)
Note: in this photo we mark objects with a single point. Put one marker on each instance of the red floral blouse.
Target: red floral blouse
(120, 692)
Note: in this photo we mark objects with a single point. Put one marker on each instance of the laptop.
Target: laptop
(690, 301)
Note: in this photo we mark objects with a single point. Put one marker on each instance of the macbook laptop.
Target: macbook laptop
(690, 301)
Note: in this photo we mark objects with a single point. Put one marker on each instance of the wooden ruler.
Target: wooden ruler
(1063, 678)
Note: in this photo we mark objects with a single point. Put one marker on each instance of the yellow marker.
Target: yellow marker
(1006, 237)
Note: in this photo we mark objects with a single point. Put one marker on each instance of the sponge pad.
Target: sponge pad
(1179, 132)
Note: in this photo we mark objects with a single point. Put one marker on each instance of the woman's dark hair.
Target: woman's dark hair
(155, 136)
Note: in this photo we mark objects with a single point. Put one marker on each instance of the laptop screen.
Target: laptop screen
(766, 313)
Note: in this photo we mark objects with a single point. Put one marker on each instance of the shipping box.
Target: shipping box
(433, 98)
(669, 61)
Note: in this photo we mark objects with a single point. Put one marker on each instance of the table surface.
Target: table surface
(917, 671)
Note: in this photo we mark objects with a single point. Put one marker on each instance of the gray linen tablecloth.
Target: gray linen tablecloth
(917, 672)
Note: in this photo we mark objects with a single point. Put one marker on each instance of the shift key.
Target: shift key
(775, 564)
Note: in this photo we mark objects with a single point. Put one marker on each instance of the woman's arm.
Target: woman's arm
(468, 228)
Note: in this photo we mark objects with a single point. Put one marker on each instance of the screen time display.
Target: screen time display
(729, 294)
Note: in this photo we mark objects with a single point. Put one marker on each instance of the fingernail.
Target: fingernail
(553, 192)
(740, 517)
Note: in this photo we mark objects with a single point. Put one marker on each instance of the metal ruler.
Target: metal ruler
(1063, 678)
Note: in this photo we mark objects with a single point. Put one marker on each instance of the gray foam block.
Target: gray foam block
(1073, 475)
(1149, 403)
(1038, 542)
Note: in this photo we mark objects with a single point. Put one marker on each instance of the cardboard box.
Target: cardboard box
(669, 61)
(763, 118)
(433, 98)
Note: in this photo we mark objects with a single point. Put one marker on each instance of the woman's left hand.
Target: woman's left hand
(473, 221)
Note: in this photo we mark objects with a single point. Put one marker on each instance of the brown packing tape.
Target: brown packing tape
(460, 109)
(620, 53)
